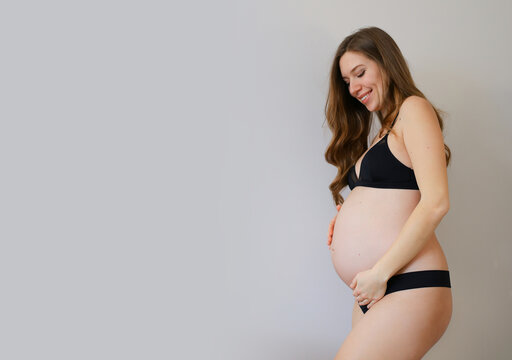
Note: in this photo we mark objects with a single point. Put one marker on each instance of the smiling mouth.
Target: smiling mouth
(365, 98)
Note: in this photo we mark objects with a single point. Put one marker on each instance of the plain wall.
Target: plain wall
(164, 189)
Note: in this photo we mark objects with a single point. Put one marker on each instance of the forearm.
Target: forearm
(417, 230)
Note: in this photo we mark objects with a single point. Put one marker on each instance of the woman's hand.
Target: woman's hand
(331, 227)
(369, 287)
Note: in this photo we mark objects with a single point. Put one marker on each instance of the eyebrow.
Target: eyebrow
(355, 67)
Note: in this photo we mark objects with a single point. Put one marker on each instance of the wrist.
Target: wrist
(383, 273)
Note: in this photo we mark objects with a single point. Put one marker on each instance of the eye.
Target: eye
(360, 75)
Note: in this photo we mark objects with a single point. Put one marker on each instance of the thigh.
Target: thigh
(357, 314)
(402, 325)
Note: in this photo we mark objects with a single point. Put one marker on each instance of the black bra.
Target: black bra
(381, 169)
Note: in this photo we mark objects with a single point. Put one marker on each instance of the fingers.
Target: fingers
(361, 300)
(370, 304)
(364, 302)
(331, 227)
(329, 234)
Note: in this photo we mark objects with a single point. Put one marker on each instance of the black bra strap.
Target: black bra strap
(393, 123)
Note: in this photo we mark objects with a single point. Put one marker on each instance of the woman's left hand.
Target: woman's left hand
(369, 287)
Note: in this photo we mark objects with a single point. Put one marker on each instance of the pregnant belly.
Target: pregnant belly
(367, 224)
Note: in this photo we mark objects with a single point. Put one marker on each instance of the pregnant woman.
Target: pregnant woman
(382, 241)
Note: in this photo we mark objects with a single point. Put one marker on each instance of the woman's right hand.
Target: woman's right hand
(331, 227)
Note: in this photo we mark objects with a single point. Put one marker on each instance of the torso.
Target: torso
(370, 220)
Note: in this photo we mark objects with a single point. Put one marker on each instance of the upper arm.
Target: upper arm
(424, 142)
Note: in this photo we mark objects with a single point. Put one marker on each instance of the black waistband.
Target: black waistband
(418, 279)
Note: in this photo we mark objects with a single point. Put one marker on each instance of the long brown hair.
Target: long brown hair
(348, 119)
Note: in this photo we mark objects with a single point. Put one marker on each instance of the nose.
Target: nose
(354, 88)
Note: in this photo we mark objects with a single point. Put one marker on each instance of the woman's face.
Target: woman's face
(364, 78)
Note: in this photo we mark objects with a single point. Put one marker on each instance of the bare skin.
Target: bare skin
(364, 228)
(380, 231)
(361, 231)
(403, 325)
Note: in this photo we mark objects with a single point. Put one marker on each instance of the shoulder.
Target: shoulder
(416, 110)
(423, 140)
(419, 122)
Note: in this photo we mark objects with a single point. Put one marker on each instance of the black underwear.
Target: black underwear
(416, 279)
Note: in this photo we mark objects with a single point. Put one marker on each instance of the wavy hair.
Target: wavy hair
(348, 119)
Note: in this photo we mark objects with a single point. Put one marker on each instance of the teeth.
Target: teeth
(364, 97)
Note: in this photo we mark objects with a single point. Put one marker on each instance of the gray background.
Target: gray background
(164, 193)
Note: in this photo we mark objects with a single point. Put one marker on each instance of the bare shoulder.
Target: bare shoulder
(416, 110)
(423, 140)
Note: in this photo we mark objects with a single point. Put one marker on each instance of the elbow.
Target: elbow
(439, 207)
(443, 204)
(443, 208)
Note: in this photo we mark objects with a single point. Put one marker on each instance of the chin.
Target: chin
(371, 108)
(374, 108)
